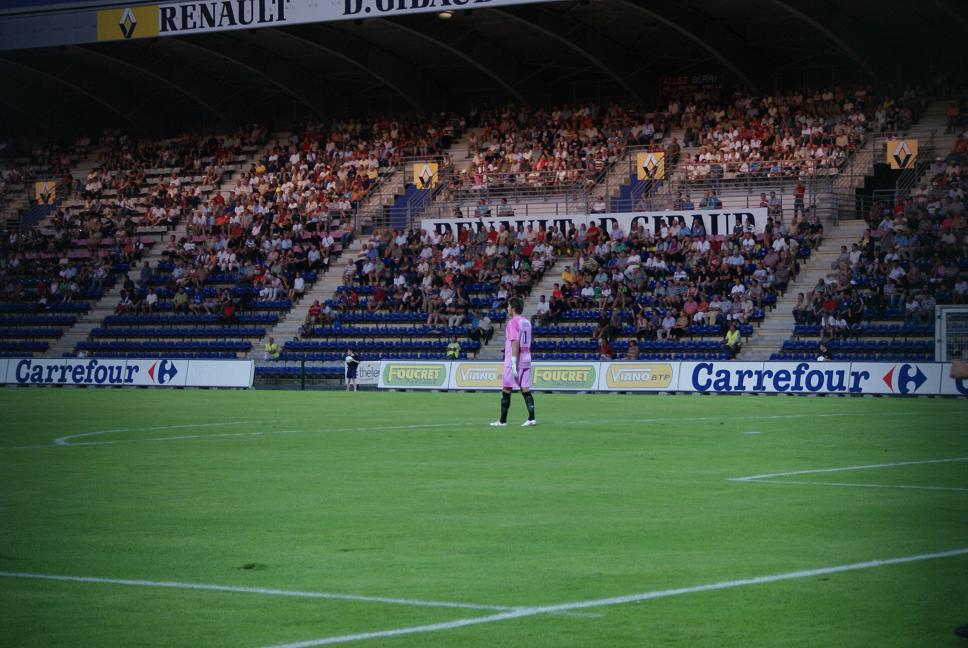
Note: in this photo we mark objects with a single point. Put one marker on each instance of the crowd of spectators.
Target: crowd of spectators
(437, 274)
(289, 213)
(661, 283)
(566, 147)
(785, 135)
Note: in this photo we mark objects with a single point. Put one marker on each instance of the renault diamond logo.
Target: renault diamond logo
(426, 176)
(127, 23)
(902, 154)
(651, 165)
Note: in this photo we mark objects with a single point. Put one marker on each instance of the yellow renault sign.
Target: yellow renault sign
(902, 154)
(425, 175)
(127, 23)
(650, 165)
(45, 192)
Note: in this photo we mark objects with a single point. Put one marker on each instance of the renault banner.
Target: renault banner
(73, 23)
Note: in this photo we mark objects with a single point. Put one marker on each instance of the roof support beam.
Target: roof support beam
(113, 60)
(79, 90)
(461, 55)
(826, 33)
(271, 79)
(554, 26)
(345, 48)
(692, 27)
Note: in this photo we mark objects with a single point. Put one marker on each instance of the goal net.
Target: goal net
(951, 333)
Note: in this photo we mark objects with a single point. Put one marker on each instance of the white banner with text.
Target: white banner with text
(714, 221)
(155, 372)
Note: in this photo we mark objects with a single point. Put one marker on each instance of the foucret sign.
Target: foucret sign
(551, 376)
(414, 375)
(714, 221)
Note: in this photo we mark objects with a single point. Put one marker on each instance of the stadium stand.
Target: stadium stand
(134, 198)
(235, 263)
(203, 245)
(878, 298)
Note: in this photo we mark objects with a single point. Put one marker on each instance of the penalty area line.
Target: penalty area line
(817, 471)
(618, 600)
(254, 590)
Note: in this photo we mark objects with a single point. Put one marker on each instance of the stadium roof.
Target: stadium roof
(572, 50)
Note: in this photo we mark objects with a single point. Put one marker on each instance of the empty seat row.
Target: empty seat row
(186, 318)
(205, 331)
(157, 345)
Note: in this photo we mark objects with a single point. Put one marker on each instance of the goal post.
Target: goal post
(951, 333)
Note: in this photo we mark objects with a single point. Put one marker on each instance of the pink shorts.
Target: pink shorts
(524, 378)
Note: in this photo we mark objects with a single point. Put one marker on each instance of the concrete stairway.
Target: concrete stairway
(79, 170)
(618, 176)
(105, 306)
(458, 155)
(495, 350)
(322, 289)
(769, 337)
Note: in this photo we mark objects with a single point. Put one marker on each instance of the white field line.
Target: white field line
(619, 600)
(817, 471)
(816, 483)
(255, 590)
(65, 440)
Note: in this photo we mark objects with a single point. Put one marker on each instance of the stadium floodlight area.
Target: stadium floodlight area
(951, 333)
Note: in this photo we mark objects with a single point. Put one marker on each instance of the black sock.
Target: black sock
(505, 404)
(529, 401)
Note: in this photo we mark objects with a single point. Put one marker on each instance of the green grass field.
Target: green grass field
(411, 496)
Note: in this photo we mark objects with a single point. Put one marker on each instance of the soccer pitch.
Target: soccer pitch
(261, 518)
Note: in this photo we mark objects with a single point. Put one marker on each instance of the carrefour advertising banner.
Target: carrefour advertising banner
(880, 378)
(156, 372)
(715, 221)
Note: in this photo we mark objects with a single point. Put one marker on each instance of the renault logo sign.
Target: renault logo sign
(902, 154)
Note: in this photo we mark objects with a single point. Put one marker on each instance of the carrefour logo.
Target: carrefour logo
(162, 371)
(904, 379)
(73, 372)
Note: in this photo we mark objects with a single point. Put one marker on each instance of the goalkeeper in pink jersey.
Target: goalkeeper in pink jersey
(517, 362)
